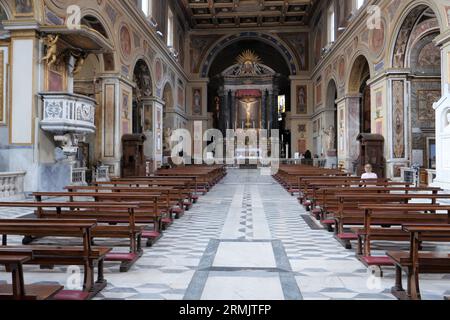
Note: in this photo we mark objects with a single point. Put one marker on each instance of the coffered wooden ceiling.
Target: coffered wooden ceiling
(204, 14)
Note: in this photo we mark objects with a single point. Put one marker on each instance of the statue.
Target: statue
(331, 138)
(51, 42)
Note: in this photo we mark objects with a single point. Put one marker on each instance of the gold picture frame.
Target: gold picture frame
(23, 8)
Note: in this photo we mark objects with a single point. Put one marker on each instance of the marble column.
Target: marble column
(223, 105)
(399, 151)
(233, 110)
(274, 102)
(442, 108)
(270, 111)
(348, 130)
(264, 110)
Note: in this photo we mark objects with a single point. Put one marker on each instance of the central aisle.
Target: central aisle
(246, 239)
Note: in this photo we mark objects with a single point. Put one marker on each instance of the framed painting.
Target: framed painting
(24, 8)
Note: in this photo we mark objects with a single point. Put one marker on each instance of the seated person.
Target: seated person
(369, 174)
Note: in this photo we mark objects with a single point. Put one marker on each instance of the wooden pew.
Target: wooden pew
(326, 199)
(104, 214)
(152, 210)
(348, 213)
(416, 262)
(49, 255)
(395, 215)
(209, 175)
(13, 262)
(312, 187)
(185, 186)
(173, 197)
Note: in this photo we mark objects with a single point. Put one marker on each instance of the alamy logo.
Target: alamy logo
(374, 19)
(74, 278)
(374, 280)
(73, 20)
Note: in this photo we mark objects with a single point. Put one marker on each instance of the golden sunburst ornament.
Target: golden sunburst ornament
(248, 56)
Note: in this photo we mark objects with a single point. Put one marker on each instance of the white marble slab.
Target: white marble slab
(243, 288)
(245, 255)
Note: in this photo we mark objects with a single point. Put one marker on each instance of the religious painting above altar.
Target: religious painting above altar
(248, 92)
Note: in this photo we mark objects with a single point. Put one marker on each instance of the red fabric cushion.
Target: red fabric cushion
(166, 220)
(150, 234)
(328, 221)
(177, 210)
(378, 261)
(71, 295)
(120, 257)
(347, 236)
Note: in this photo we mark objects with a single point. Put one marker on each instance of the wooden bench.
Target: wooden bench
(50, 255)
(347, 211)
(395, 215)
(13, 262)
(184, 186)
(152, 210)
(171, 197)
(104, 214)
(416, 262)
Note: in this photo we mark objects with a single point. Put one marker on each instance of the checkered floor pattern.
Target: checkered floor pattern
(320, 267)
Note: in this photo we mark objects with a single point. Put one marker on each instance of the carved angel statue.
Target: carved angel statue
(51, 43)
(331, 138)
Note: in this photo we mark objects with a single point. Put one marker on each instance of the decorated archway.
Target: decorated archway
(415, 91)
(268, 39)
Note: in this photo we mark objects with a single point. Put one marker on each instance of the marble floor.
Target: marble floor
(246, 239)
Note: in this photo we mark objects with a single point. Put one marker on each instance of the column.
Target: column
(117, 119)
(275, 108)
(264, 109)
(442, 108)
(348, 130)
(25, 83)
(397, 138)
(233, 110)
(270, 113)
(158, 132)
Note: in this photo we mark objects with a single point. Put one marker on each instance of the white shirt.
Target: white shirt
(371, 175)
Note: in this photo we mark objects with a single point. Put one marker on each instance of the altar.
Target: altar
(248, 158)
(248, 95)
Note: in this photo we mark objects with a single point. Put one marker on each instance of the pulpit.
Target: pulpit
(133, 159)
(371, 152)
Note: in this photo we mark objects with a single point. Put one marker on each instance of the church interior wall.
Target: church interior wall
(109, 77)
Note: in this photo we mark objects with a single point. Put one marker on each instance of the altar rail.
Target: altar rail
(102, 174)
(78, 177)
(11, 185)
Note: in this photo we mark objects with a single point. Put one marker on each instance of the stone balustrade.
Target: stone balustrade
(102, 174)
(12, 185)
(78, 177)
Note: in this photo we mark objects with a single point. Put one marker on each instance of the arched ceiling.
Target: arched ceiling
(204, 14)
(269, 56)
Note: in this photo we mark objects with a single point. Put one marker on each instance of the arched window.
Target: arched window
(359, 4)
(147, 7)
(170, 28)
(331, 24)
